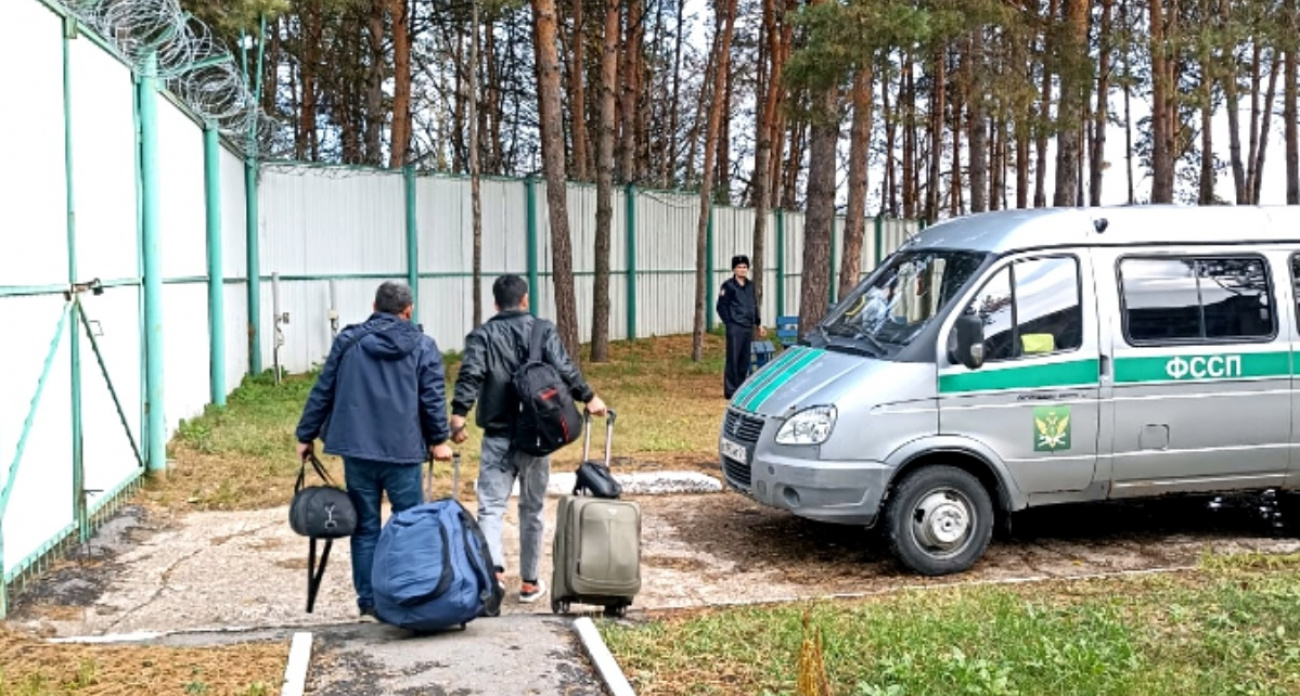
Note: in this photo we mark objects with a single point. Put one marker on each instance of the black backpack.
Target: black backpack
(548, 419)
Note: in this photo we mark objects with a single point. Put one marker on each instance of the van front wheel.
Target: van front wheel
(939, 520)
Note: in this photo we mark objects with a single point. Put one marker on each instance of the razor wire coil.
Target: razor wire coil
(192, 63)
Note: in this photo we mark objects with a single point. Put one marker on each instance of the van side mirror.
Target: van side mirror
(969, 350)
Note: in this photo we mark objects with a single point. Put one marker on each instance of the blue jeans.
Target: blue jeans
(367, 481)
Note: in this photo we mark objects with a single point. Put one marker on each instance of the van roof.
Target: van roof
(1013, 230)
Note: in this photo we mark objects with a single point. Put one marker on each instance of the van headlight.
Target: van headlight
(810, 426)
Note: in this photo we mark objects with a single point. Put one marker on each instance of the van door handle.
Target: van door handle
(1104, 365)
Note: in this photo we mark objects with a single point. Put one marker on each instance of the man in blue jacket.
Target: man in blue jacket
(380, 404)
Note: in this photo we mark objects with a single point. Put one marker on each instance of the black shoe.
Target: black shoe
(368, 613)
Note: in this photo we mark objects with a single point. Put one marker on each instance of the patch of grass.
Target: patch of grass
(29, 667)
(1228, 628)
(241, 457)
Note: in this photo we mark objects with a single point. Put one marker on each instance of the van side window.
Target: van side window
(1031, 308)
(1212, 299)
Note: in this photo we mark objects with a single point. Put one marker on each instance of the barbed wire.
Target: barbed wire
(192, 63)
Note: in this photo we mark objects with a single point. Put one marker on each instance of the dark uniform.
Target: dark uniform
(738, 309)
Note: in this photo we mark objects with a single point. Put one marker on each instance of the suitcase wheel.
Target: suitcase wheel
(616, 611)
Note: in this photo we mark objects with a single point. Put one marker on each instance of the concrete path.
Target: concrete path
(247, 570)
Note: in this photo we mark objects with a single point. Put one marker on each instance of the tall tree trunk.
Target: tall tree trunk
(375, 83)
(1255, 73)
(978, 123)
(670, 166)
(311, 60)
(721, 63)
(551, 125)
(938, 88)
(475, 192)
(631, 89)
(855, 219)
(605, 183)
(907, 101)
(961, 97)
(763, 147)
(1265, 127)
(401, 83)
(722, 182)
(1128, 114)
(816, 268)
(1044, 111)
(1162, 155)
(578, 95)
(1231, 84)
(1205, 195)
(890, 197)
(1289, 114)
(1075, 51)
(1097, 156)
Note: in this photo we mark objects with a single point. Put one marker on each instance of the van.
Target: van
(1016, 359)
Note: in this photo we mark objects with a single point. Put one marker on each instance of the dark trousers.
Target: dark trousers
(367, 482)
(739, 339)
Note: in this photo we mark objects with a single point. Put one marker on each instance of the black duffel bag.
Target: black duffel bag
(319, 512)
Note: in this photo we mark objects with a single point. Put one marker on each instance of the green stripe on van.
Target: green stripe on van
(768, 372)
(1202, 366)
(754, 402)
(1064, 374)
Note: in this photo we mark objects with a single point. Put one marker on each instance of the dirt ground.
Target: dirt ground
(236, 569)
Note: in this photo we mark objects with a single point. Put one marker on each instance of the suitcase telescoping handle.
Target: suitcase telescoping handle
(455, 478)
(610, 417)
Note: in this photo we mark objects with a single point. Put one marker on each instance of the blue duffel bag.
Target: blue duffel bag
(432, 569)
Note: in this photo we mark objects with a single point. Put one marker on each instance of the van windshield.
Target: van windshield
(892, 306)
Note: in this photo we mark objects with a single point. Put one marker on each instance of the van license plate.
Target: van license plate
(735, 451)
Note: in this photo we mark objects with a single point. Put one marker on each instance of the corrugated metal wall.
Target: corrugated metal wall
(36, 269)
(349, 224)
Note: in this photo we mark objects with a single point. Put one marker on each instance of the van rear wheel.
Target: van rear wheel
(939, 520)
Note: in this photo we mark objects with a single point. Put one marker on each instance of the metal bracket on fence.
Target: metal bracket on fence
(93, 286)
(334, 310)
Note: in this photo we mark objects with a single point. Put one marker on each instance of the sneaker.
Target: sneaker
(531, 592)
(368, 613)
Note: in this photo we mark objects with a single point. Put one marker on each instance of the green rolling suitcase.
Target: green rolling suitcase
(597, 553)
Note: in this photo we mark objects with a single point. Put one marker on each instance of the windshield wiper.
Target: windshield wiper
(877, 345)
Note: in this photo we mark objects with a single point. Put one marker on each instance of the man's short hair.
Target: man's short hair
(393, 298)
(509, 291)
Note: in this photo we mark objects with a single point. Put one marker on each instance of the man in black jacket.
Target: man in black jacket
(380, 404)
(493, 352)
(738, 309)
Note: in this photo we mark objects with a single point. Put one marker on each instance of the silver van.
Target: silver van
(1023, 358)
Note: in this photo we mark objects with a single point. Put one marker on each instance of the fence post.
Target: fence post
(530, 220)
(253, 265)
(630, 205)
(880, 241)
(216, 265)
(412, 239)
(780, 262)
(153, 310)
(252, 246)
(708, 270)
(78, 451)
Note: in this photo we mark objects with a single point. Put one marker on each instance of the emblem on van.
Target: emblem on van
(1051, 428)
